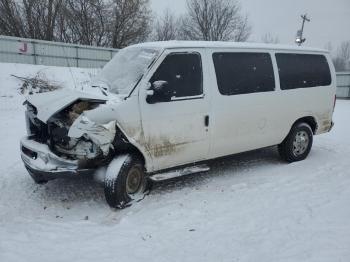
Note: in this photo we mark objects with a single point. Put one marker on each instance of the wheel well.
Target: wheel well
(122, 145)
(311, 121)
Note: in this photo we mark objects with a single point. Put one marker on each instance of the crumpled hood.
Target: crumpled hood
(48, 104)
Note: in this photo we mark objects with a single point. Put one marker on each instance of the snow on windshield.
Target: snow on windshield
(126, 68)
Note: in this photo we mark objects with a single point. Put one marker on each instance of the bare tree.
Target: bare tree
(344, 51)
(83, 22)
(166, 27)
(268, 38)
(214, 20)
(41, 18)
(130, 22)
(342, 60)
(328, 46)
(243, 31)
(11, 22)
(29, 18)
(115, 23)
(338, 64)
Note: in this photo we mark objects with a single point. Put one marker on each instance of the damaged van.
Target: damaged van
(164, 109)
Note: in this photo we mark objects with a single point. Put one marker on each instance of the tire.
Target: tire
(125, 181)
(297, 145)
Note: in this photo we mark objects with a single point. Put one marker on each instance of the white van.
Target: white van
(159, 110)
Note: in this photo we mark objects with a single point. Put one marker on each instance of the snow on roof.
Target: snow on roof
(221, 44)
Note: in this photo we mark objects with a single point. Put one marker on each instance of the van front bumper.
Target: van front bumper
(43, 165)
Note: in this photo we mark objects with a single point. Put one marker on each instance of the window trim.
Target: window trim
(302, 53)
(183, 98)
(240, 51)
(186, 98)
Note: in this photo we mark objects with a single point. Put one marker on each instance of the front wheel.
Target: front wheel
(297, 145)
(125, 181)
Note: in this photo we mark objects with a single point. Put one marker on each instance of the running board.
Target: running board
(179, 172)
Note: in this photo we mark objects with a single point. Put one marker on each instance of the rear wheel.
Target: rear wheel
(297, 145)
(125, 181)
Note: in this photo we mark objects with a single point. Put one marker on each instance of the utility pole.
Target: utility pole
(299, 39)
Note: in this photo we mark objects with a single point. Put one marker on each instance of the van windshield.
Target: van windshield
(126, 68)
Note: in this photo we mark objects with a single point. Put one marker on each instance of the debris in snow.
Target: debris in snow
(144, 238)
(86, 218)
(36, 84)
(192, 230)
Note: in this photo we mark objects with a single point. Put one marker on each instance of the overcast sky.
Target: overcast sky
(330, 19)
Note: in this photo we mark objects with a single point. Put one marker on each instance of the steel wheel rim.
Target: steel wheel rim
(300, 143)
(133, 181)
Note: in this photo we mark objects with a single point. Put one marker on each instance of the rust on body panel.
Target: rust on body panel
(161, 146)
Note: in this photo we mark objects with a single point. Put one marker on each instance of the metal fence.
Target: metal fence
(343, 84)
(30, 51)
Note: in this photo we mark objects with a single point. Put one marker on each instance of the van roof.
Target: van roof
(221, 44)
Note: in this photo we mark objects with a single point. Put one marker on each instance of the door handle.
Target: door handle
(206, 120)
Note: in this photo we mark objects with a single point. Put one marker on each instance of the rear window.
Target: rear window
(243, 73)
(303, 70)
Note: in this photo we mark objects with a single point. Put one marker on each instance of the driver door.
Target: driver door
(176, 128)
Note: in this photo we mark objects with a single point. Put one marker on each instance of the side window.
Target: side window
(303, 70)
(244, 73)
(183, 72)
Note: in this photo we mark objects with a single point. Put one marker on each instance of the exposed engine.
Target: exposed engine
(55, 132)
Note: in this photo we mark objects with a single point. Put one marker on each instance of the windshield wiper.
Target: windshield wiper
(103, 90)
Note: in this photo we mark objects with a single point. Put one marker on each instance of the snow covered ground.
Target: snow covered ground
(252, 207)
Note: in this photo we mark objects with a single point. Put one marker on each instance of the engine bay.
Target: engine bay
(54, 133)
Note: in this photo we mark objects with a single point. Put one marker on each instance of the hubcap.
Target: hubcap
(133, 181)
(300, 143)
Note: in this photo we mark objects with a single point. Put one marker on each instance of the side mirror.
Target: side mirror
(158, 92)
(150, 92)
(159, 85)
